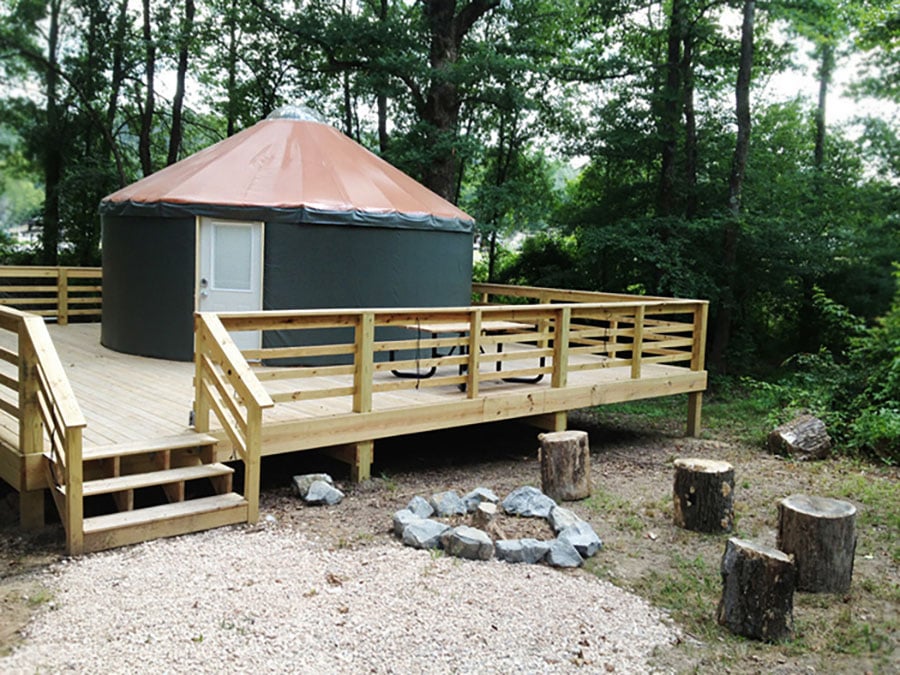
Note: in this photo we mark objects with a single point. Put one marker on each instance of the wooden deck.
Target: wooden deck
(86, 422)
(131, 398)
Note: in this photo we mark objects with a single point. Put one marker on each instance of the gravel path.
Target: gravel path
(267, 600)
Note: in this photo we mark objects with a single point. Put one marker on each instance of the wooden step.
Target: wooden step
(135, 481)
(188, 440)
(168, 520)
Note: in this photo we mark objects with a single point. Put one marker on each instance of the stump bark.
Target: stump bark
(703, 495)
(757, 591)
(804, 437)
(821, 534)
(565, 465)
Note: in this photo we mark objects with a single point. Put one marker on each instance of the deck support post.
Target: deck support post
(74, 493)
(31, 509)
(358, 455)
(698, 362)
(31, 434)
(253, 462)
(695, 408)
(550, 422)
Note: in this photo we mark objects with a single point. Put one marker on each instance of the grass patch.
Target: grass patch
(689, 590)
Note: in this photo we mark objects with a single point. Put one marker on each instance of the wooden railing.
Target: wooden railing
(55, 292)
(38, 399)
(226, 386)
(468, 346)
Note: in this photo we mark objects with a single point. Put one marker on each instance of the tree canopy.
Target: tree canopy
(632, 146)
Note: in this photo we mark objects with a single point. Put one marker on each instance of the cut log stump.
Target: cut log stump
(804, 437)
(704, 495)
(757, 591)
(565, 465)
(821, 534)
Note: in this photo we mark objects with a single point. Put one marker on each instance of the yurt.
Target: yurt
(288, 214)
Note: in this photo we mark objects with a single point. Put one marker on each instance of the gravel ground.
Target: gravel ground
(268, 599)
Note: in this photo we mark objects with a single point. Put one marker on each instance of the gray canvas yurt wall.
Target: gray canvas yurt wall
(148, 286)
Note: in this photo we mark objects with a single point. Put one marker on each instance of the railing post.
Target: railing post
(31, 433)
(543, 324)
(638, 343)
(74, 492)
(560, 376)
(253, 461)
(698, 362)
(364, 363)
(474, 347)
(201, 404)
(62, 296)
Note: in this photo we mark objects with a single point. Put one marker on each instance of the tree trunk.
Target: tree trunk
(821, 535)
(690, 127)
(565, 465)
(53, 152)
(826, 67)
(757, 591)
(117, 78)
(703, 495)
(147, 113)
(722, 328)
(381, 101)
(440, 110)
(177, 132)
(231, 65)
(670, 113)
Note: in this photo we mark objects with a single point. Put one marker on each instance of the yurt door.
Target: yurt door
(229, 271)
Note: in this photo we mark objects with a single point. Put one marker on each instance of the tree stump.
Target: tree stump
(804, 437)
(704, 495)
(821, 534)
(757, 591)
(565, 465)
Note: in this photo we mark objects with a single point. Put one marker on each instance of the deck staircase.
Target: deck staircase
(157, 488)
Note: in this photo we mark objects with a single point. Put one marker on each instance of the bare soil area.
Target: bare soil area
(631, 510)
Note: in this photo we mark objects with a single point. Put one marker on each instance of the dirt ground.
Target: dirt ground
(631, 510)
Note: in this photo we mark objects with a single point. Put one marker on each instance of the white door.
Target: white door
(229, 271)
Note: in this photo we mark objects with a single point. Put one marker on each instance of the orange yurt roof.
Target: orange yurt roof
(288, 169)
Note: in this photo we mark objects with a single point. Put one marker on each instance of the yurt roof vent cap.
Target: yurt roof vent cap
(298, 112)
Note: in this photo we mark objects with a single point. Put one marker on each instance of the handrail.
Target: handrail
(552, 339)
(60, 292)
(48, 417)
(227, 386)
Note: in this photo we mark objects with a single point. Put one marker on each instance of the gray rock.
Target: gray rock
(424, 533)
(529, 551)
(421, 507)
(528, 501)
(301, 483)
(484, 515)
(477, 496)
(402, 518)
(563, 554)
(582, 536)
(467, 542)
(560, 518)
(320, 492)
(447, 504)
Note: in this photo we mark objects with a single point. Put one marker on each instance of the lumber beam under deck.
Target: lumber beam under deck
(520, 402)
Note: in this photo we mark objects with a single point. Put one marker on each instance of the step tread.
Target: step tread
(155, 514)
(134, 481)
(180, 441)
